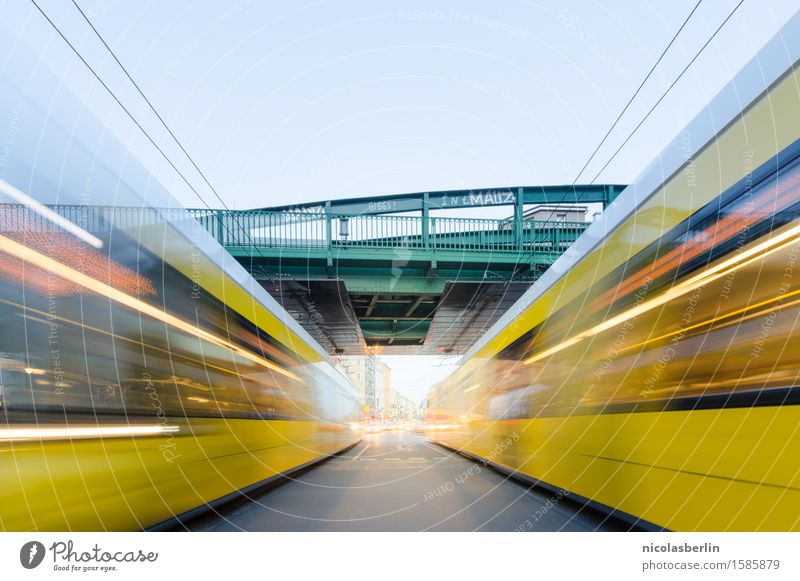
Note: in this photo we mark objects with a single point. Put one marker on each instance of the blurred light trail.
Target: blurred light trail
(14, 248)
(112, 431)
(49, 214)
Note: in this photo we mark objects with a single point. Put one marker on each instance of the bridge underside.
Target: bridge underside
(395, 305)
(393, 324)
(364, 276)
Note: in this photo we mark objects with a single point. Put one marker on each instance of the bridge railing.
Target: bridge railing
(319, 230)
(375, 231)
(301, 230)
(479, 234)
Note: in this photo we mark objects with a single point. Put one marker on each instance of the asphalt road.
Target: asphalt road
(395, 481)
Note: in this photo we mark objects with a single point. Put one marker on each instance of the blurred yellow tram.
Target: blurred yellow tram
(144, 374)
(653, 371)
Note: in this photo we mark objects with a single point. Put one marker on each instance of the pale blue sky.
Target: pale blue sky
(282, 102)
(291, 101)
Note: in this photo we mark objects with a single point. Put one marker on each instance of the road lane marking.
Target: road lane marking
(357, 456)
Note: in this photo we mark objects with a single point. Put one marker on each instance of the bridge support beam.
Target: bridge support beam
(329, 235)
(518, 213)
(426, 211)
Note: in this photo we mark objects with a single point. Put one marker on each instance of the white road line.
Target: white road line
(357, 456)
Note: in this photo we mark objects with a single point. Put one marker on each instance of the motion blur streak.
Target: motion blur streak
(38, 434)
(769, 202)
(758, 252)
(15, 249)
(47, 213)
(726, 316)
(655, 372)
(144, 374)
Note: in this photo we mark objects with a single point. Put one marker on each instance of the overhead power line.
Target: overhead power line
(636, 93)
(678, 78)
(139, 125)
(627, 105)
(660, 99)
(124, 108)
(149, 103)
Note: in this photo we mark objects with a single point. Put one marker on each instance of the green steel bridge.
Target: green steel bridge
(362, 275)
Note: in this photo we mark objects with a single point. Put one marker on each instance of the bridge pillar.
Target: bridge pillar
(518, 212)
(426, 242)
(329, 233)
(220, 227)
(610, 193)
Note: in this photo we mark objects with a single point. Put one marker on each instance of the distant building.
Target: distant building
(403, 408)
(556, 213)
(383, 389)
(372, 379)
(361, 373)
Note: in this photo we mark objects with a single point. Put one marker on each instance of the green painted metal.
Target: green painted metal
(395, 256)
(448, 199)
(265, 231)
(426, 220)
(407, 285)
(518, 216)
(406, 259)
(397, 247)
(375, 331)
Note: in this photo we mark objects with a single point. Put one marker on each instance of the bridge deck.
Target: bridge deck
(424, 284)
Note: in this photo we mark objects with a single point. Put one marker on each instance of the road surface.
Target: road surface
(396, 481)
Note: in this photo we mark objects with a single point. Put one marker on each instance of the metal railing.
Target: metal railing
(318, 230)
(246, 229)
